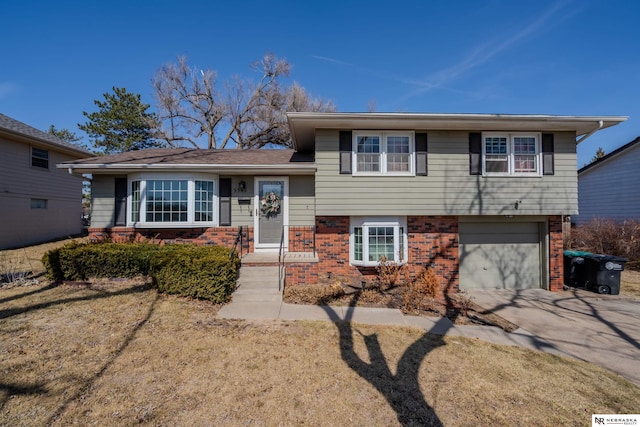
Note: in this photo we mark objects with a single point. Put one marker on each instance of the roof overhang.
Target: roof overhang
(32, 140)
(303, 125)
(297, 169)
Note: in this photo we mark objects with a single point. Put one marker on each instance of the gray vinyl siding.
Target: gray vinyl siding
(449, 189)
(301, 200)
(103, 201)
(612, 189)
(241, 214)
(20, 182)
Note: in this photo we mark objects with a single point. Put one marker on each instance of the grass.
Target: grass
(118, 353)
(630, 284)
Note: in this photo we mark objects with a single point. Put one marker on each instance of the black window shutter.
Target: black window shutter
(120, 214)
(345, 152)
(547, 154)
(421, 154)
(475, 153)
(225, 201)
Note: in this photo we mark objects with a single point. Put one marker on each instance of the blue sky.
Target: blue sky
(574, 57)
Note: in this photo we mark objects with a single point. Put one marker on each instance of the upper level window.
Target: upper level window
(388, 153)
(184, 201)
(39, 158)
(511, 154)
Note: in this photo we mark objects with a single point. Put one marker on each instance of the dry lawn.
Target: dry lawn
(27, 262)
(630, 284)
(117, 353)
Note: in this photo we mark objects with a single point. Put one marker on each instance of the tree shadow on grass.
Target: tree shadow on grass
(402, 390)
(9, 312)
(87, 384)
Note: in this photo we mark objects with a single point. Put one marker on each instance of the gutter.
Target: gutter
(588, 134)
(87, 168)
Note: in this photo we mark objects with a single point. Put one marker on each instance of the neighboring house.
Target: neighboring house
(478, 197)
(38, 201)
(610, 187)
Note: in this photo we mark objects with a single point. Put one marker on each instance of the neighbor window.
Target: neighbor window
(511, 154)
(39, 203)
(39, 158)
(383, 153)
(373, 239)
(169, 201)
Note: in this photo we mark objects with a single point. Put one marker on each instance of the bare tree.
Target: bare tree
(188, 104)
(253, 114)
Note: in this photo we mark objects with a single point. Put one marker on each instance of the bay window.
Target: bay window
(157, 201)
(373, 239)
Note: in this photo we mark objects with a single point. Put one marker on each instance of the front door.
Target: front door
(271, 211)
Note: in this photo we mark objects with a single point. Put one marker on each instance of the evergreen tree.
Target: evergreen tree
(121, 123)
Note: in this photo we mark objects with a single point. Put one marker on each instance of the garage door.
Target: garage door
(499, 255)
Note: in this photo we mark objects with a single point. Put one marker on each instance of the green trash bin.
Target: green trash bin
(575, 268)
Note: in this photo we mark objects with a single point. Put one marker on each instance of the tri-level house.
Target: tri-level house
(478, 197)
(38, 202)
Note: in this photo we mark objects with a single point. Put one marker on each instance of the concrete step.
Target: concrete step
(258, 284)
(256, 297)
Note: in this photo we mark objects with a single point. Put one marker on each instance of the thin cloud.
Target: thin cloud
(481, 54)
(7, 88)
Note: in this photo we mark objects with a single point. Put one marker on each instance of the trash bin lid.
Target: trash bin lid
(577, 253)
(612, 258)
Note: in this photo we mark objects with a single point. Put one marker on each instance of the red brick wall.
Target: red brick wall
(301, 238)
(223, 236)
(556, 259)
(301, 273)
(432, 241)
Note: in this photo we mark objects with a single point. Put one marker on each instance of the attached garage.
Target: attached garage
(502, 255)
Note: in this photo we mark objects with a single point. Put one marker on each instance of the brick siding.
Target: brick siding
(556, 259)
(223, 236)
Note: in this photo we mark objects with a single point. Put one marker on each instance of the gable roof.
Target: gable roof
(193, 159)
(606, 157)
(18, 129)
(303, 125)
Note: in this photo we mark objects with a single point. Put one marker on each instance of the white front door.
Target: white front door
(271, 211)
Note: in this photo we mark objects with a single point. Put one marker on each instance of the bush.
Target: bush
(81, 261)
(199, 272)
(620, 238)
(420, 293)
(314, 294)
(208, 272)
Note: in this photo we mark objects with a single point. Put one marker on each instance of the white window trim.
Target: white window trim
(383, 152)
(365, 223)
(510, 155)
(191, 202)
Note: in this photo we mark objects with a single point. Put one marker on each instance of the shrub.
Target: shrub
(620, 238)
(208, 273)
(81, 261)
(421, 292)
(390, 273)
(314, 294)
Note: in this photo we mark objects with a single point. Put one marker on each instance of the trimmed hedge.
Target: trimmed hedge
(205, 272)
(197, 272)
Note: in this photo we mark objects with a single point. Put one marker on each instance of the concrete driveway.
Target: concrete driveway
(601, 329)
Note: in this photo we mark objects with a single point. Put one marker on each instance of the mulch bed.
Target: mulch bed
(457, 307)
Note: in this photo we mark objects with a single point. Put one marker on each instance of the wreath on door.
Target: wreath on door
(270, 204)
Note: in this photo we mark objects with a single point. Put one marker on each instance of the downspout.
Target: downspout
(587, 135)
